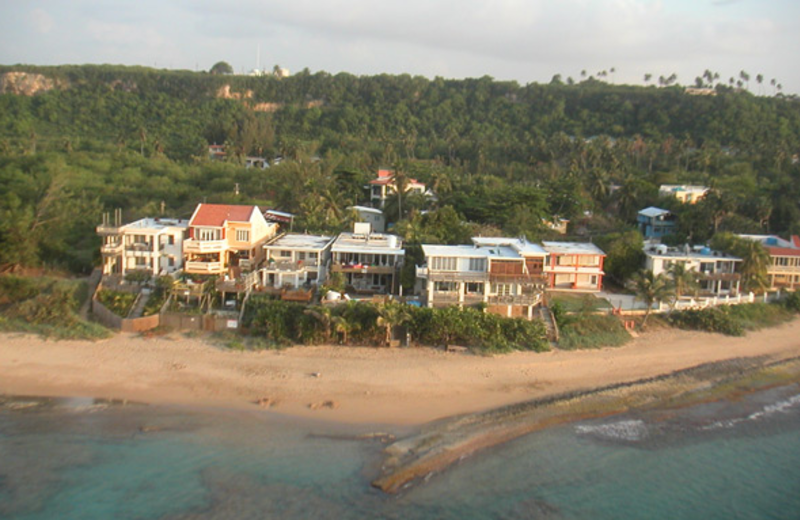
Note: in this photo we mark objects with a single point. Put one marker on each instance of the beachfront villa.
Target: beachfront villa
(370, 262)
(784, 268)
(295, 260)
(505, 274)
(574, 266)
(226, 239)
(686, 193)
(151, 245)
(716, 271)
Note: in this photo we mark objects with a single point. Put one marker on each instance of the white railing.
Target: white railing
(204, 246)
(203, 267)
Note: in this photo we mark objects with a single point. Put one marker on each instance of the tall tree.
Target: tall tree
(651, 289)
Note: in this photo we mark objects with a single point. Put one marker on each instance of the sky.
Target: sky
(523, 40)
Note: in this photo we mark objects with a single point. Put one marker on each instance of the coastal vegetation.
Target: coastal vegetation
(500, 156)
(46, 306)
(363, 323)
(733, 320)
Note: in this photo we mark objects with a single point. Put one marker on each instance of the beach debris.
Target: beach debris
(148, 428)
(332, 405)
(455, 348)
(266, 402)
(315, 374)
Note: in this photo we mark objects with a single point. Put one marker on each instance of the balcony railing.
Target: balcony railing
(459, 276)
(204, 246)
(291, 266)
(204, 267)
(111, 249)
(371, 269)
(519, 299)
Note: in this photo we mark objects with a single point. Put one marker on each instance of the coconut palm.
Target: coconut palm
(755, 261)
(391, 315)
(651, 289)
(683, 280)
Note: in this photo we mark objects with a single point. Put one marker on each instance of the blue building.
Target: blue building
(655, 222)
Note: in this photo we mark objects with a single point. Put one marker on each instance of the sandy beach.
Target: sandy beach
(352, 384)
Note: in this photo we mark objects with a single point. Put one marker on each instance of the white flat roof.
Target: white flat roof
(465, 251)
(518, 244)
(300, 241)
(156, 224)
(575, 248)
(375, 243)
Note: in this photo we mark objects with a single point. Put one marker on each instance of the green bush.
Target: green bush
(792, 302)
(118, 302)
(592, 331)
(732, 320)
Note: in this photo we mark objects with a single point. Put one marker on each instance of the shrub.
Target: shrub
(732, 320)
(592, 331)
(792, 302)
(118, 302)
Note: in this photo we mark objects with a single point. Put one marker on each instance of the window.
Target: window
(474, 288)
(588, 260)
(502, 289)
(171, 240)
(208, 234)
(566, 260)
(477, 264)
(285, 253)
(243, 235)
(171, 262)
(445, 286)
(443, 264)
(141, 261)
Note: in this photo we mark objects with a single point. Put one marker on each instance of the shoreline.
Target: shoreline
(355, 385)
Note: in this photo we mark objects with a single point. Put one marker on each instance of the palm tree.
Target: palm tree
(341, 326)
(651, 289)
(391, 315)
(324, 317)
(755, 260)
(684, 280)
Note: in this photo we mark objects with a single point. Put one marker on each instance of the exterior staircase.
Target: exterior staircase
(550, 325)
(93, 281)
(141, 301)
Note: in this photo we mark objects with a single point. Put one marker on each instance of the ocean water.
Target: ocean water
(83, 459)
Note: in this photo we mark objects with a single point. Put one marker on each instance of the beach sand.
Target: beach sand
(352, 384)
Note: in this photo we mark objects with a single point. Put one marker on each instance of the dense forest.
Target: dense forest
(79, 140)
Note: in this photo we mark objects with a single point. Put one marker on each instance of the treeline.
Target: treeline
(500, 156)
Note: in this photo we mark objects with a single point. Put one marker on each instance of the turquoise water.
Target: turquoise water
(81, 460)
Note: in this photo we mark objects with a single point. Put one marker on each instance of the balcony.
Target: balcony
(204, 267)
(111, 249)
(366, 269)
(107, 230)
(458, 276)
(522, 279)
(519, 299)
(204, 246)
(300, 265)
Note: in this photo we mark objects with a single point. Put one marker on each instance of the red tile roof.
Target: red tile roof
(796, 240)
(215, 215)
(782, 251)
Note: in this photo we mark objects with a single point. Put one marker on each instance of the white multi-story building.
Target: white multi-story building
(716, 272)
(370, 262)
(294, 261)
(505, 274)
(152, 245)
